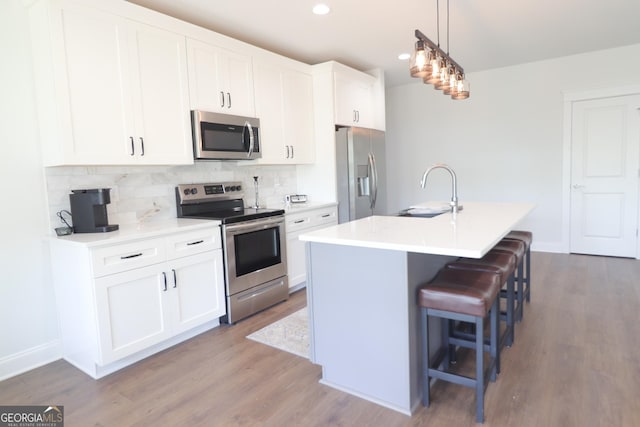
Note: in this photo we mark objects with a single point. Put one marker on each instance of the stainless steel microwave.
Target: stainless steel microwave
(225, 137)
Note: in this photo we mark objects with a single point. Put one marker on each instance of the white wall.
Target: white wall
(504, 142)
(28, 324)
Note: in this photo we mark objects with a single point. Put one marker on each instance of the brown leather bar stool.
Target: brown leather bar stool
(467, 296)
(516, 248)
(504, 264)
(525, 237)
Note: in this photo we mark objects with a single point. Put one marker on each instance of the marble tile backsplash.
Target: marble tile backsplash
(147, 193)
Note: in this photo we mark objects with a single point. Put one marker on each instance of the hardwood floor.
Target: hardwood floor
(575, 362)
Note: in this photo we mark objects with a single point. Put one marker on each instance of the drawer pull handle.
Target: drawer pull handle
(131, 256)
(197, 242)
(175, 279)
(326, 215)
(165, 281)
(298, 221)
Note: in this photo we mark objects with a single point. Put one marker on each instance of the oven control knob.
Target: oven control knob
(187, 191)
(194, 191)
(238, 188)
(227, 188)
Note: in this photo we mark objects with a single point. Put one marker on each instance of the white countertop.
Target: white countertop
(470, 233)
(307, 206)
(133, 232)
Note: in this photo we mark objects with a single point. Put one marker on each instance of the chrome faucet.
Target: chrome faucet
(454, 184)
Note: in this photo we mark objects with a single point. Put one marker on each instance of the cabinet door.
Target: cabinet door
(220, 80)
(130, 309)
(298, 123)
(197, 290)
(163, 126)
(296, 259)
(284, 104)
(269, 108)
(353, 99)
(299, 223)
(93, 66)
(239, 74)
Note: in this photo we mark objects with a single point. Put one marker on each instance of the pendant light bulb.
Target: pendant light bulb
(419, 66)
(443, 83)
(451, 73)
(435, 64)
(462, 91)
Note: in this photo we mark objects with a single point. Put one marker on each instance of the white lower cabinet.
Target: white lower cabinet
(142, 307)
(137, 295)
(298, 223)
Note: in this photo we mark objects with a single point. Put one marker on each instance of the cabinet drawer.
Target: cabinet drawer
(193, 242)
(298, 222)
(325, 217)
(117, 258)
(313, 218)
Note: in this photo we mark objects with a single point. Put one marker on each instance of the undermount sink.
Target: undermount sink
(405, 212)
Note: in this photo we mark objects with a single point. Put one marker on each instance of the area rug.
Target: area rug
(290, 334)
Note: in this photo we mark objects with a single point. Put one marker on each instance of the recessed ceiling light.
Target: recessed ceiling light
(404, 56)
(321, 9)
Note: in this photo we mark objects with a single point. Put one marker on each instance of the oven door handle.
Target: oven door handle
(255, 225)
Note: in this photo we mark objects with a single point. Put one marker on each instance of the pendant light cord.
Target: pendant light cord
(438, 20)
(447, 27)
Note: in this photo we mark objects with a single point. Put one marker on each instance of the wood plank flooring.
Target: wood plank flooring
(575, 362)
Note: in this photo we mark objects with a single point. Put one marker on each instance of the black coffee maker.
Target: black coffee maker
(89, 210)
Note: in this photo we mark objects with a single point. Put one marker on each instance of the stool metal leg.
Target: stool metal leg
(425, 356)
(495, 331)
(479, 369)
(510, 323)
(528, 277)
(520, 293)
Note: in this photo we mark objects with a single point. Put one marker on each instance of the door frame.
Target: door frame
(569, 98)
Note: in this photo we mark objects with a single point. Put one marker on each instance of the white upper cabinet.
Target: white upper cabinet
(354, 97)
(284, 105)
(220, 80)
(110, 90)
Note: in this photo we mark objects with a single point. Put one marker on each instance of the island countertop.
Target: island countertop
(469, 233)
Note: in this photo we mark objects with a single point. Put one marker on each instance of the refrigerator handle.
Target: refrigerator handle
(373, 194)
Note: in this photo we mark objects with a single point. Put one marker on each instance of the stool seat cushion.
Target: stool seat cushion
(523, 236)
(494, 261)
(461, 291)
(517, 247)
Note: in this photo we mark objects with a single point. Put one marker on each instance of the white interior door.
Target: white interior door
(605, 145)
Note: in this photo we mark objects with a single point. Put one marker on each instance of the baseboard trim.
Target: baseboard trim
(31, 358)
(547, 247)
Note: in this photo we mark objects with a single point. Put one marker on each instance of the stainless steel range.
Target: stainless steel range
(253, 243)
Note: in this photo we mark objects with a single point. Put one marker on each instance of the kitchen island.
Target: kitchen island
(363, 278)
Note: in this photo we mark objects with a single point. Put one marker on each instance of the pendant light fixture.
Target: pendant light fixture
(434, 66)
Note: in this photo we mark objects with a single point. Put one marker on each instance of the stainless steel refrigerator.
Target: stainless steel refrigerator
(361, 173)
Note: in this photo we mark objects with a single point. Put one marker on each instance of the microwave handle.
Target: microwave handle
(251, 141)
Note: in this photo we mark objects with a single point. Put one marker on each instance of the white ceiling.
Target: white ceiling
(368, 34)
